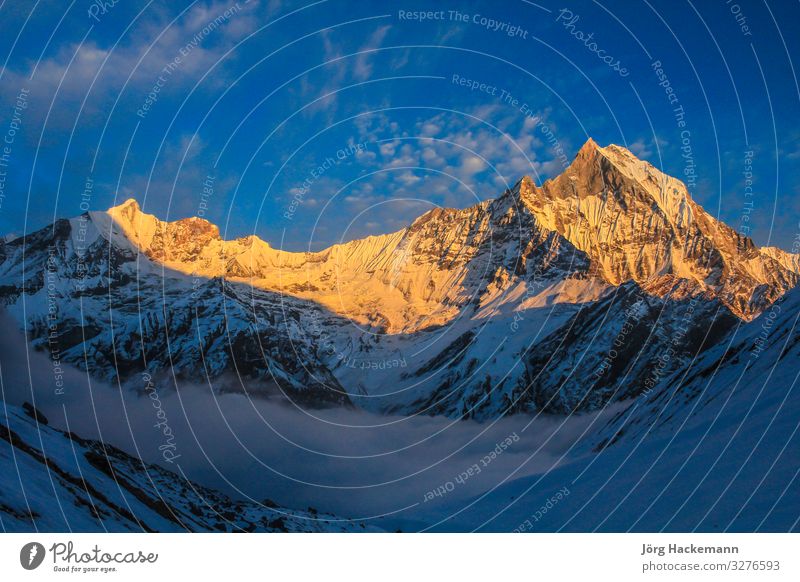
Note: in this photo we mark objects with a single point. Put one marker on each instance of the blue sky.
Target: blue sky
(308, 123)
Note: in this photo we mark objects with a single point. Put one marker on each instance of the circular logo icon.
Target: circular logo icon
(31, 555)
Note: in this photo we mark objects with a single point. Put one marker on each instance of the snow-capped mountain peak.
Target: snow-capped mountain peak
(637, 223)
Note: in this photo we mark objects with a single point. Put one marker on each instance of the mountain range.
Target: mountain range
(605, 285)
(505, 306)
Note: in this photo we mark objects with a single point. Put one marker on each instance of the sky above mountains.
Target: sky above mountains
(308, 123)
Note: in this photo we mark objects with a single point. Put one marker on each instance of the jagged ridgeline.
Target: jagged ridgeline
(559, 297)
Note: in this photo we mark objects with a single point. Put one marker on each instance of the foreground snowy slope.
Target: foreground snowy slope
(714, 447)
(51, 481)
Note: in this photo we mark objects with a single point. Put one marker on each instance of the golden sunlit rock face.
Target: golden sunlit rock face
(608, 219)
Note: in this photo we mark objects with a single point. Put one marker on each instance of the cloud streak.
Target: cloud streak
(346, 461)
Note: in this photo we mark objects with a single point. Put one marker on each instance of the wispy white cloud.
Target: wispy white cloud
(339, 72)
(198, 39)
(362, 67)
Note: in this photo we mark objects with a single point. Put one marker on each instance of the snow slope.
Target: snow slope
(52, 481)
(714, 447)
